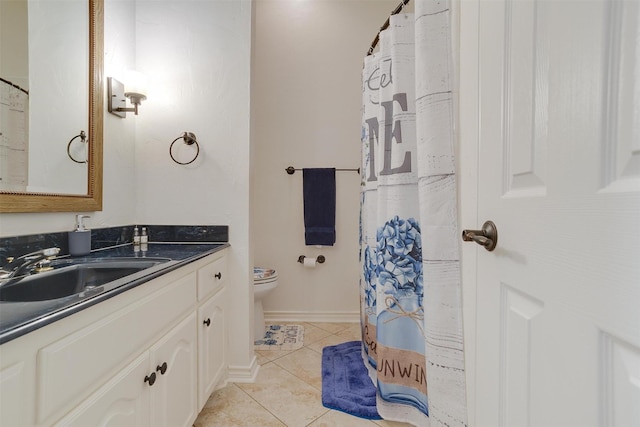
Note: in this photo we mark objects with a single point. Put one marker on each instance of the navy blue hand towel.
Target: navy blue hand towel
(319, 191)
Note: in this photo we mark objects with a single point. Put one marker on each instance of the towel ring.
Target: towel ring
(83, 139)
(189, 138)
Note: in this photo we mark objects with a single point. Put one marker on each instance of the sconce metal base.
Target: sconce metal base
(116, 100)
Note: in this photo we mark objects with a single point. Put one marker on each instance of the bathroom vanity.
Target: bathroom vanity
(149, 353)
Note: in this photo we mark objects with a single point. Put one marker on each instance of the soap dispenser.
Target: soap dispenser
(80, 238)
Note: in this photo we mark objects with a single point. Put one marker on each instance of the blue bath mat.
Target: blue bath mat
(346, 385)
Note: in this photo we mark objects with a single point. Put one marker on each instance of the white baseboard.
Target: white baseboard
(244, 374)
(313, 316)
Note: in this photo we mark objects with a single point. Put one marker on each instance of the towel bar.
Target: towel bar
(291, 170)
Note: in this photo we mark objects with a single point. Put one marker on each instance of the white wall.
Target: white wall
(306, 99)
(119, 144)
(197, 56)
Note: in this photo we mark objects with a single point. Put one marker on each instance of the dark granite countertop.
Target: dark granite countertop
(19, 318)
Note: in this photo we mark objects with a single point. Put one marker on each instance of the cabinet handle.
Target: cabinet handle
(151, 379)
(207, 322)
(162, 368)
(218, 275)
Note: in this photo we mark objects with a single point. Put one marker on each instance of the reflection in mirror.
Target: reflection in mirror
(14, 95)
(59, 88)
(45, 95)
(60, 82)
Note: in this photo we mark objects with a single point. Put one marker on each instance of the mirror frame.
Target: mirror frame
(92, 201)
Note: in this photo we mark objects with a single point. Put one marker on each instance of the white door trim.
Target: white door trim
(465, 29)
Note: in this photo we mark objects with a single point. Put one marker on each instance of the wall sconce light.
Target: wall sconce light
(135, 89)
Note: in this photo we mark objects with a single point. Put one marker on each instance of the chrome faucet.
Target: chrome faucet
(18, 266)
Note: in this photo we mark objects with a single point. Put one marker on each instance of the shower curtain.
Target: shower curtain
(411, 312)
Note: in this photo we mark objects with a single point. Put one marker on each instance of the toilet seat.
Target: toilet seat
(263, 276)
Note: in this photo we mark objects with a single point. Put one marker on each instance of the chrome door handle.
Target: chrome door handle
(487, 236)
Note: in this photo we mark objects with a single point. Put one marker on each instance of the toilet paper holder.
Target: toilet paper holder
(320, 259)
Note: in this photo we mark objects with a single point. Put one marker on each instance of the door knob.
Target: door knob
(487, 236)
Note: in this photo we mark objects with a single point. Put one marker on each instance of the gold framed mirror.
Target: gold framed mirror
(92, 200)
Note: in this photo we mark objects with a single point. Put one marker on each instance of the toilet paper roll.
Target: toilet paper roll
(309, 262)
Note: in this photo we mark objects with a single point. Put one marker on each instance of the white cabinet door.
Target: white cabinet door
(174, 360)
(14, 399)
(157, 389)
(121, 402)
(212, 346)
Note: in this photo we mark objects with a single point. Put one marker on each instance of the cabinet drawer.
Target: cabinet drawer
(211, 278)
(88, 357)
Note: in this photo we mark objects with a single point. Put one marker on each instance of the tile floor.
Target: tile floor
(288, 390)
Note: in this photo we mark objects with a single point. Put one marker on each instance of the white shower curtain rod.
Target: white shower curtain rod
(395, 11)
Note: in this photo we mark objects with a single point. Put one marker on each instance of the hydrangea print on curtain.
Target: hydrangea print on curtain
(400, 343)
(399, 255)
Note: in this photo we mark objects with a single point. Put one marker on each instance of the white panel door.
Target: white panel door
(558, 300)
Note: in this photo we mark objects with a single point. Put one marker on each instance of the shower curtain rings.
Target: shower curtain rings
(189, 138)
(83, 139)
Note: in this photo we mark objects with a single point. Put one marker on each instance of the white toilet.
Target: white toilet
(264, 281)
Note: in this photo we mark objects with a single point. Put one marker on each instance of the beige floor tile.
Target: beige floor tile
(270, 355)
(305, 364)
(351, 333)
(337, 418)
(230, 406)
(333, 328)
(262, 359)
(330, 340)
(313, 334)
(287, 397)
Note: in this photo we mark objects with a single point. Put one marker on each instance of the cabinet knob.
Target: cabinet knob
(207, 322)
(218, 275)
(151, 379)
(162, 368)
